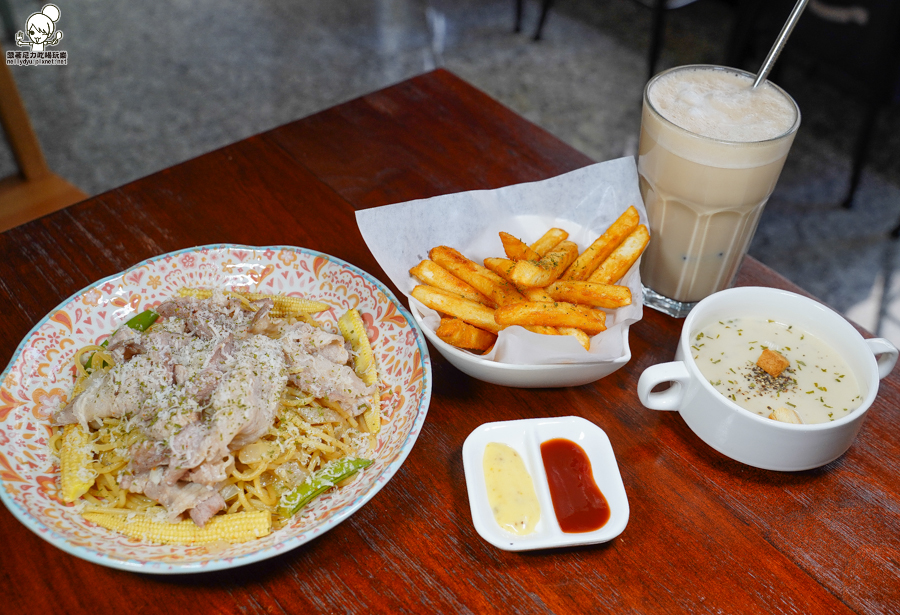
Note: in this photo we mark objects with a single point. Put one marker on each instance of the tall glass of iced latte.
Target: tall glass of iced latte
(710, 154)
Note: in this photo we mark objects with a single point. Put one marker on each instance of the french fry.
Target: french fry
(481, 278)
(589, 293)
(578, 334)
(504, 267)
(558, 314)
(538, 294)
(434, 275)
(501, 266)
(542, 329)
(622, 258)
(463, 335)
(516, 249)
(583, 338)
(443, 301)
(549, 240)
(603, 246)
(529, 275)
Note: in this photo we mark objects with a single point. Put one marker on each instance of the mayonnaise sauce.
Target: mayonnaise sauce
(510, 489)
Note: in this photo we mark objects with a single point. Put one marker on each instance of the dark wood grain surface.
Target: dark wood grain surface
(705, 535)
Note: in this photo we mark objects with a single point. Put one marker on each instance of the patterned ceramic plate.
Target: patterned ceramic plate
(39, 379)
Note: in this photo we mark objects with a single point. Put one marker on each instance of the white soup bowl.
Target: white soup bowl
(743, 435)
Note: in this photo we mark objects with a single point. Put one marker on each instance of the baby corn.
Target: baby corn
(354, 331)
(75, 455)
(231, 528)
(284, 305)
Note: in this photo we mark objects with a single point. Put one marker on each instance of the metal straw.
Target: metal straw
(775, 51)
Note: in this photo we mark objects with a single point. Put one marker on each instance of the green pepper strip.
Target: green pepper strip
(319, 483)
(141, 322)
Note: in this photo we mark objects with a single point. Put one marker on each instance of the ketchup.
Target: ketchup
(577, 501)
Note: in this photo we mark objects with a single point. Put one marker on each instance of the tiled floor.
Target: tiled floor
(152, 84)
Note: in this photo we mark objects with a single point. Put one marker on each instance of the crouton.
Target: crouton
(785, 415)
(773, 363)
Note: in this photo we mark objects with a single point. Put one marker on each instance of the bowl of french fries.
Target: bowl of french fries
(528, 285)
(550, 288)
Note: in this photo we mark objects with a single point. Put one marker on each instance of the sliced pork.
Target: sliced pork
(318, 364)
(203, 382)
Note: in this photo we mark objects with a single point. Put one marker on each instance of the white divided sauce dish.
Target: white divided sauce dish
(525, 437)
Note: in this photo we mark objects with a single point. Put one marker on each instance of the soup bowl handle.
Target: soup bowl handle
(676, 373)
(885, 353)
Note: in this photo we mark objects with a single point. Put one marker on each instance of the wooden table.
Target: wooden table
(706, 534)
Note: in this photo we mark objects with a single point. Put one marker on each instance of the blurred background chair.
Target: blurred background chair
(7, 20)
(851, 44)
(34, 191)
(657, 28)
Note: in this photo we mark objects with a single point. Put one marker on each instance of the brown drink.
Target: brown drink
(711, 152)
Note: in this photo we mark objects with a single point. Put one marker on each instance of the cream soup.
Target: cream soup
(817, 385)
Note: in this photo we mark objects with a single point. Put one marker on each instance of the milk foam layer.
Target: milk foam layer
(721, 104)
